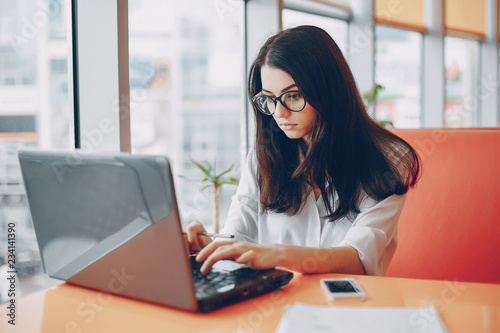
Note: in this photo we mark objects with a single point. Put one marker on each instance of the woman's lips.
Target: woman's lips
(287, 126)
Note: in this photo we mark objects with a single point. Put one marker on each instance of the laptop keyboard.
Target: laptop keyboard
(230, 282)
(215, 281)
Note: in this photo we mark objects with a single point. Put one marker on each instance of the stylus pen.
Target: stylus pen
(210, 234)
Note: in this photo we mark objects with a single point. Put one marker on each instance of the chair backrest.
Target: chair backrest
(450, 226)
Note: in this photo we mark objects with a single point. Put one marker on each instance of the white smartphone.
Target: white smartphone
(342, 289)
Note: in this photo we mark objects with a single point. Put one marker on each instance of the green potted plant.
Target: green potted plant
(370, 98)
(215, 181)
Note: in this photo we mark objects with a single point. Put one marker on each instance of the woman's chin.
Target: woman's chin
(295, 135)
(292, 136)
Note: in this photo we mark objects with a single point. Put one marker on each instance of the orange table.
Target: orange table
(464, 307)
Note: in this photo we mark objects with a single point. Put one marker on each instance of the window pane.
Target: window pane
(34, 112)
(187, 85)
(398, 69)
(461, 77)
(336, 28)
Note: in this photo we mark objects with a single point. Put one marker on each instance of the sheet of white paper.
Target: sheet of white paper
(322, 319)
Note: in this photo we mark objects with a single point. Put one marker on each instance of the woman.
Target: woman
(324, 186)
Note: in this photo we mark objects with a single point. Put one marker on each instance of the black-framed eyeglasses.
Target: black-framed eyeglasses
(291, 100)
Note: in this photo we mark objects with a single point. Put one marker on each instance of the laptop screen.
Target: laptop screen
(88, 207)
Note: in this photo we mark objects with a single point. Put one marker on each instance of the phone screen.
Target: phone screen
(341, 287)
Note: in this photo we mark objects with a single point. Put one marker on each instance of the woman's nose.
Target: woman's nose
(281, 111)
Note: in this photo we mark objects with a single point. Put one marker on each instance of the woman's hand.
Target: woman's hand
(340, 259)
(195, 242)
(254, 255)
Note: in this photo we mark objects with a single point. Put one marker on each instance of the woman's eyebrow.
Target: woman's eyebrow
(283, 90)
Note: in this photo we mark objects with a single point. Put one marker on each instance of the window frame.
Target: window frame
(421, 73)
(101, 112)
(330, 9)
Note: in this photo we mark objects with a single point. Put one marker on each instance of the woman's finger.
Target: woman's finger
(207, 250)
(204, 240)
(247, 258)
(226, 252)
(191, 230)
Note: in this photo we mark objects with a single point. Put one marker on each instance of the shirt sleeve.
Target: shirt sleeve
(374, 232)
(244, 209)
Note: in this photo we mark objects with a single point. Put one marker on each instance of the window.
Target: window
(398, 55)
(335, 27)
(461, 82)
(34, 112)
(187, 91)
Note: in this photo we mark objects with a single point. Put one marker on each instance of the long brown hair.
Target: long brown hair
(348, 152)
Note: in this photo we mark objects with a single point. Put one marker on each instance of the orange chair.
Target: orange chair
(450, 226)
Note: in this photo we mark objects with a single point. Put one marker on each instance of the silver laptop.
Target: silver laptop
(110, 222)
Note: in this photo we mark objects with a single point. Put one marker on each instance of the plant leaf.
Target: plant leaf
(232, 181)
(205, 187)
(187, 177)
(224, 172)
(207, 172)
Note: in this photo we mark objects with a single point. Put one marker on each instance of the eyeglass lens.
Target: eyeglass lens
(292, 100)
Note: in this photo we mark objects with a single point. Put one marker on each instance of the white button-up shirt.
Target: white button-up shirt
(372, 232)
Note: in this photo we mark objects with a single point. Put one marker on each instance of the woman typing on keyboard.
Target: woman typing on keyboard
(324, 184)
